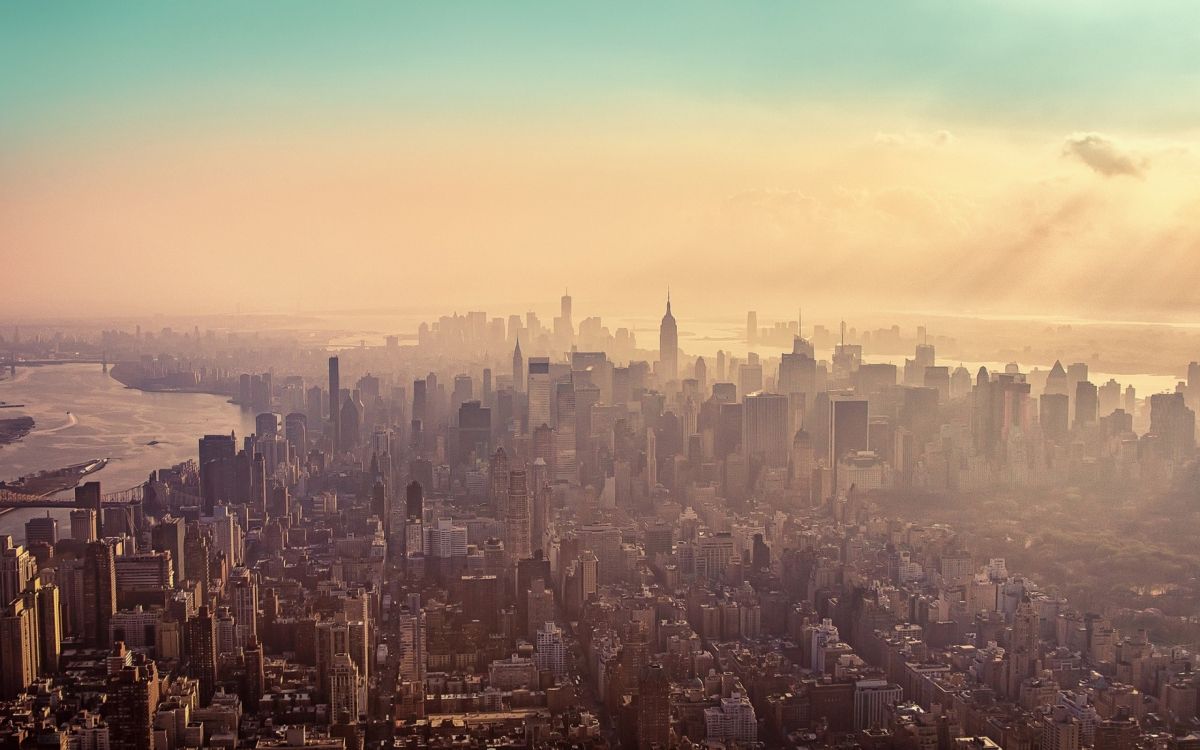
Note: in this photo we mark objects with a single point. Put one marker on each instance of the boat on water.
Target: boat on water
(55, 480)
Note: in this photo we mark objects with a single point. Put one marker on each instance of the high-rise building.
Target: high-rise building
(50, 630)
(1087, 403)
(41, 529)
(518, 367)
(99, 593)
(83, 525)
(551, 650)
(565, 467)
(668, 346)
(200, 651)
(653, 708)
(848, 429)
(335, 396)
(1054, 416)
(539, 392)
(343, 690)
(765, 428)
(169, 535)
(19, 653)
(218, 454)
(133, 695)
(517, 520)
(414, 500)
(17, 569)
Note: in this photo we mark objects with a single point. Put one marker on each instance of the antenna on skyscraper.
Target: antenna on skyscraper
(843, 333)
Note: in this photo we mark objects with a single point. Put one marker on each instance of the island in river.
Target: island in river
(12, 430)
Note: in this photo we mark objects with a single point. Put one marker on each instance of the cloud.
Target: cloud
(1104, 156)
(915, 140)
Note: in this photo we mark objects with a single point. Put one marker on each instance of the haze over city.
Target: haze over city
(566, 376)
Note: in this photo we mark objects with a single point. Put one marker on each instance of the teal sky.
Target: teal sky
(87, 68)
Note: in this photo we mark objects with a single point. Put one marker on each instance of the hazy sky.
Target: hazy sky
(1004, 156)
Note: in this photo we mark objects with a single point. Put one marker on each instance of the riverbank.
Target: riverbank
(12, 430)
(129, 376)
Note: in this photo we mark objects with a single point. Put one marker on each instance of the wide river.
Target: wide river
(106, 420)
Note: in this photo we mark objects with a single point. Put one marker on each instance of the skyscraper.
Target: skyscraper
(99, 593)
(518, 371)
(539, 393)
(765, 428)
(516, 522)
(848, 429)
(668, 346)
(335, 391)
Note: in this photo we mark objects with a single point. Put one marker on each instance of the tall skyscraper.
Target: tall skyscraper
(516, 522)
(668, 346)
(19, 657)
(765, 428)
(539, 393)
(335, 395)
(848, 429)
(133, 694)
(200, 651)
(518, 371)
(99, 593)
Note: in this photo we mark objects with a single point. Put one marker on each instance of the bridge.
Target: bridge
(11, 499)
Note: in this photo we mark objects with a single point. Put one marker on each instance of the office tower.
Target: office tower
(1056, 381)
(765, 428)
(168, 535)
(83, 525)
(872, 701)
(50, 630)
(254, 680)
(41, 529)
(1173, 426)
(335, 396)
(565, 310)
(824, 635)
(518, 368)
(1086, 403)
(244, 596)
(729, 435)
(654, 707)
(750, 378)
(1060, 731)
(474, 431)
(343, 690)
(17, 569)
(487, 386)
(295, 430)
(668, 346)
(99, 593)
(539, 390)
(200, 651)
(414, 500)
(551, 650)
(411, 643)
(498, 467)
(19, 657)
(565, 467)
(1054, 416)
(539, 607)
(217, 456)
(1000, 410)
(133, 695)
(268, 425)
(350, 416)
(516, 522)
(848, 429)
(258, 485)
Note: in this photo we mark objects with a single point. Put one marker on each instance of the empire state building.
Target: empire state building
(668, 346)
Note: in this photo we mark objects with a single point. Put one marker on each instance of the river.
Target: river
(106, 420)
